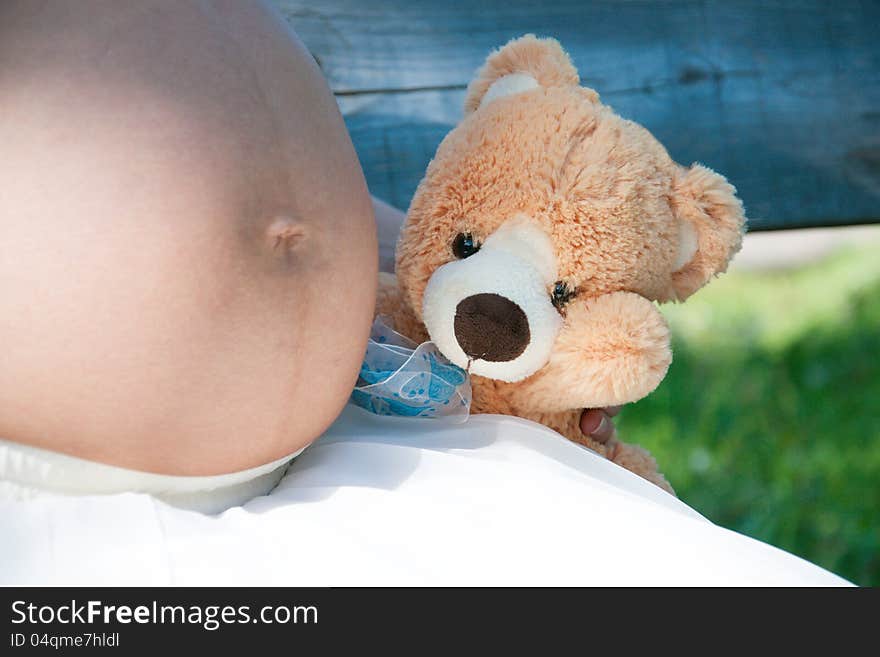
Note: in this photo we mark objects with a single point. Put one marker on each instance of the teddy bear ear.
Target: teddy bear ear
(711, 224)
(523, 64)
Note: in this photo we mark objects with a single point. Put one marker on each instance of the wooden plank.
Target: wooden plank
(782, 97)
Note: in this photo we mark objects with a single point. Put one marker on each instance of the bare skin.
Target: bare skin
(598, 423)
(187, 245)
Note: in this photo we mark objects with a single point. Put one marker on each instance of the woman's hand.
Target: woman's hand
(597, 423)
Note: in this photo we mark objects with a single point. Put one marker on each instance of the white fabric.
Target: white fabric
(386, 500)
(27, 472)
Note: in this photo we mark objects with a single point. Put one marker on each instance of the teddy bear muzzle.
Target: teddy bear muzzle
(491, 312)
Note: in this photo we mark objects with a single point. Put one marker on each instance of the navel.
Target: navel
(285, 233)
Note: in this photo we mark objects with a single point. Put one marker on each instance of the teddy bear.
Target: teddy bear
(542, 236)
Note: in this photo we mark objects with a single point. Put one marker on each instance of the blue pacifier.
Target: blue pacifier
(399, 377)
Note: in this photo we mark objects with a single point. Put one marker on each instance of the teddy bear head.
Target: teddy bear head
(545, 228)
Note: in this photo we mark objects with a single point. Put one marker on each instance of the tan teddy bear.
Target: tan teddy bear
(539, 239)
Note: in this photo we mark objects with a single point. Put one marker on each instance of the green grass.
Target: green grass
(769, 419)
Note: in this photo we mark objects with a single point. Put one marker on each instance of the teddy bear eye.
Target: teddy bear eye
(464, 246)
(562, 294)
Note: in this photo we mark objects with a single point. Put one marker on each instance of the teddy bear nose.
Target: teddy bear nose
(491, 327)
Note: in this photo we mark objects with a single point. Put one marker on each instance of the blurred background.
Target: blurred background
(769, 419)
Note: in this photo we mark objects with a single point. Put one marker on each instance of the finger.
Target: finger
(591, 418)
(605, 431)
(596, 424)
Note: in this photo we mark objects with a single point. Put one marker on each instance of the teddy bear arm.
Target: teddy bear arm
(612, 349)
(390, 302)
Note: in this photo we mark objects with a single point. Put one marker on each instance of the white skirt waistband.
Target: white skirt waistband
(27, 472)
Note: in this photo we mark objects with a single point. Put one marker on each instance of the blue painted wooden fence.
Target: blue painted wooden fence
(782, 97)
